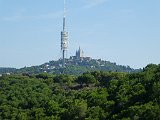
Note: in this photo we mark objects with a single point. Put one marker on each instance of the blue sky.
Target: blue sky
(123, 31)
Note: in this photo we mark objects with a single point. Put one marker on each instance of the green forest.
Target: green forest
(95, 95)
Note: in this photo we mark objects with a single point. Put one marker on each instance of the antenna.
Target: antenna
(64, 8)
(64, 16)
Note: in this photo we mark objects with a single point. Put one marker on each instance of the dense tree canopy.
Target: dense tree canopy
(90, 96)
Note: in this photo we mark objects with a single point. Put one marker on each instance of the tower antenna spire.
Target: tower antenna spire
(64, 16)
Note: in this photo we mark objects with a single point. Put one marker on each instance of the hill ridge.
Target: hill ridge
(73, 66)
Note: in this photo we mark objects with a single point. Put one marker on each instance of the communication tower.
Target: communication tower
(64, 36)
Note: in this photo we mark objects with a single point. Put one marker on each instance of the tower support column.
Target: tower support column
(63, 55)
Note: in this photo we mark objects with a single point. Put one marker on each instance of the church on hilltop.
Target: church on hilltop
(79, 53)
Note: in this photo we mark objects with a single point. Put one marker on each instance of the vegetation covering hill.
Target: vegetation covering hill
(75, 67)
(90, 96)
(7, 70)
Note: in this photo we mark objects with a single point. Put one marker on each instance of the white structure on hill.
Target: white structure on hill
(79, 53)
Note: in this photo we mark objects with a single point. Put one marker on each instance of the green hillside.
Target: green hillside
(7, 70)
(76, 67)
(90, 96)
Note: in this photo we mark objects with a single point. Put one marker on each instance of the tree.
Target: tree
(76, 111)
(86, 79)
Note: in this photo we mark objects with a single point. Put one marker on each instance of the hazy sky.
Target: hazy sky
(123, 31)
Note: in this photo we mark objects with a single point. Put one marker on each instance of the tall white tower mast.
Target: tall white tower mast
(64, 36)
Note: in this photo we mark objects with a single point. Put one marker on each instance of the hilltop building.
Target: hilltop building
(79, 53)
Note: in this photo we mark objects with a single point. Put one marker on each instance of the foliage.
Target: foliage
(7, 70)
(86, 79)
(94, 95)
